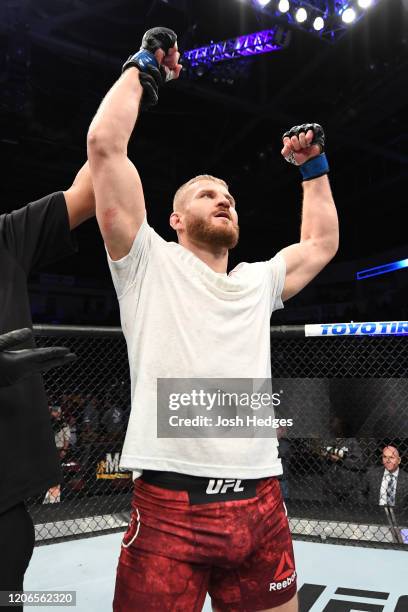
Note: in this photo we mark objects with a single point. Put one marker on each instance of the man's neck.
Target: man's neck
(394, 473)
(216, 259)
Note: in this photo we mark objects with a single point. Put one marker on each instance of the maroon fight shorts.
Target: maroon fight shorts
(190, 535)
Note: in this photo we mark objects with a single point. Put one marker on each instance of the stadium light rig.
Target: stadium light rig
(327, 19)
(248, 45)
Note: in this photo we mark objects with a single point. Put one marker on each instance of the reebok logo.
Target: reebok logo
(285, 574)
(222, 486)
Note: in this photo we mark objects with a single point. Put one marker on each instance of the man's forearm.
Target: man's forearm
(115, 119)
(80, 198)
(319, 215)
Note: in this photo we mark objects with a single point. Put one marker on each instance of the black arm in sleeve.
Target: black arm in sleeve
(38, 233)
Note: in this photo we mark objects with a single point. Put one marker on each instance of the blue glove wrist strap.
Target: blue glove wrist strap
(143, 59)
(315, 167)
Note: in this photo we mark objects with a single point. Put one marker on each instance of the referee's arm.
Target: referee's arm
(80, 198)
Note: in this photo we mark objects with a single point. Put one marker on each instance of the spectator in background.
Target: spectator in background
(387, 485)
(345, 464)
(73, 429)
(77, 402)
(90, 419)
(89, 429)
(113, 421)
(62, 435)
(70, 416)
(62, 432)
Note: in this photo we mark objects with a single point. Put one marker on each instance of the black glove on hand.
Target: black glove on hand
(18, 364)
(152, 75)
(313, 165)
(318, 133)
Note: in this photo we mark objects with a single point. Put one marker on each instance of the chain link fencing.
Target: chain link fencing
(346, 396)
(89, 404)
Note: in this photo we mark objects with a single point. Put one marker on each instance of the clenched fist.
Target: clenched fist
(303, 146)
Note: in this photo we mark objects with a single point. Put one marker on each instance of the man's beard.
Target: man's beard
(221, 236)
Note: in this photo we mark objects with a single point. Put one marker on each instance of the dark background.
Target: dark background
(58, 59)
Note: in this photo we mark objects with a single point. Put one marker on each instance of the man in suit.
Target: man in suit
(387, 486)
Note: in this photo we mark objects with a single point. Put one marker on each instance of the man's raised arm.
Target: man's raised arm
(319, 235)
(120, 205)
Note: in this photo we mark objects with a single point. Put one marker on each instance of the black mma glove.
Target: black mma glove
(18, 364)
(316, 166)
(152, 75)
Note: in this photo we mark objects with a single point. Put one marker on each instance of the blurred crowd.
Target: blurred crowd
(85, 428)
(89, 431)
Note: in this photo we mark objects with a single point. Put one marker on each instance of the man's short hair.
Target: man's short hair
(179, 195)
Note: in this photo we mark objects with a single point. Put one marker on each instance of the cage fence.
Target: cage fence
(345, 399)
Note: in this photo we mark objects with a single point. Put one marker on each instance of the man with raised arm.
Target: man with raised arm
(207, 512)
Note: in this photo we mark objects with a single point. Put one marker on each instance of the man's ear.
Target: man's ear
(175, 220)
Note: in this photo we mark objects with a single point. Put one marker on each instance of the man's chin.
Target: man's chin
(215, 235)
(223, 239)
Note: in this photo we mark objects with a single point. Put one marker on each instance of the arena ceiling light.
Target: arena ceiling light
(348, 15)
(336, 15)
(318, 24)
(263, 2)
(248, 45)
(301, 15)
(283, 6)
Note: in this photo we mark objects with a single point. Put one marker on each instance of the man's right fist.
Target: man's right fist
(157, 61)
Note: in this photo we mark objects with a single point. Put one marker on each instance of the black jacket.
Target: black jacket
(372, 485)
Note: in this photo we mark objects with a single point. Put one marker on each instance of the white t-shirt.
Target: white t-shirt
(181, 319)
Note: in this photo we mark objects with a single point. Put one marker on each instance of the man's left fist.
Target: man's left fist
(303, 146)
(303, 142)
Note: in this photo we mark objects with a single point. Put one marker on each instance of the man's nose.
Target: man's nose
(224, 204)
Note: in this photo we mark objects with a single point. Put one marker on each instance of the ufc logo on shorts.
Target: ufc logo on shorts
(222, 486)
